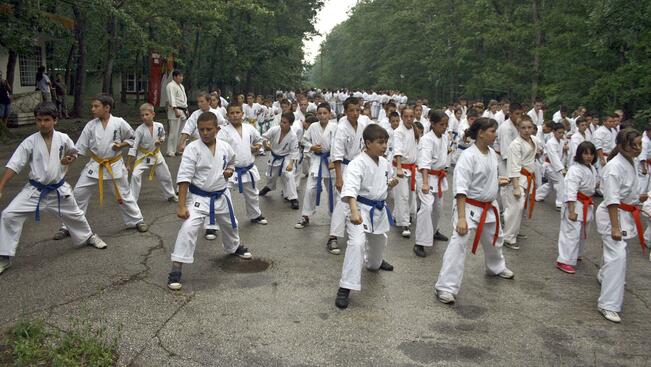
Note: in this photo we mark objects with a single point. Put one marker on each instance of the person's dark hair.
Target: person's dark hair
(625, 138)
(39, 73)
(176, 73)
(563, 108)
(374, 132)
(394, 114)
(310, 119)
(324, 105)
(481, 124)
(105, 100)
(586, 146)
(350, 101)
(547, 123)
(207, 116)
(472, 113)
(627, 124)
(286, 101)
(233, 105)
(557, 126)
(204, 94)
(46, 109)
(390, 104)
(436, 116)
(515, 107)
(289, 116)
(648, 127)
(579, 120)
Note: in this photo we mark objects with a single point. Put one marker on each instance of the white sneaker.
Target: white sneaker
(506, 274)
(445, 297)
(96, 242)
(4, 264)
(610, 315)
(211, 234)
(406, 232)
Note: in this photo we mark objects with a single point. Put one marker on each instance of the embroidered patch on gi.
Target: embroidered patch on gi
(90, 172)
(365, 227)
(196, 204)
(472, 214)
(623, 233)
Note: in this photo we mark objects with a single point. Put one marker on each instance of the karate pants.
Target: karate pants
(427, 218)
(87, 186)
(453, 265)
(612, 274)
(501, 171)
(251, 199)
(404, 202)
(287, 183)
(176, 126)
(162, 175)
(186, 240)
(301, 169)
(362, 248)
(24, 205)
(555, 181)
(309, 198)
(570, 240)
(339, 217)
(513, 211)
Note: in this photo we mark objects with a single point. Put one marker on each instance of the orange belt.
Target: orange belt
(441, 175)
(648, 161)
(412, 168)
(586, 201)
(635, 211)
(530, 198)
(482, 220)
(106, 163)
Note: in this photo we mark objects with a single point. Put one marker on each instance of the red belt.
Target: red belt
(482, 220)
(530, 198)
(412, 168)
(441, 175)
(648, 161)
(586, 201)
(635, 211)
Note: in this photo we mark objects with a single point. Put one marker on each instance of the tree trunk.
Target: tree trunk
(193, 64)
(111, 29)
(536, 52)
(11, 67)
(68, 74)
(80, 79)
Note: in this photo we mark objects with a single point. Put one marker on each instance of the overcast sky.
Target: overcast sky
(332, 13)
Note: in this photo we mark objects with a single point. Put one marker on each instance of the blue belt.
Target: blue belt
(46, 189)
(276, 158)
(242, 170)
(345, 161)
(213, 197)
(376, 204)
(300, 160)
(319, 178)
(461, 147)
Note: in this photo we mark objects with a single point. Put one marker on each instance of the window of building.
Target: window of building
(132, 83)
(29, 62)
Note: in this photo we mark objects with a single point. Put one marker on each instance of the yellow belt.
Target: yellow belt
(147, 154)
(106, 163)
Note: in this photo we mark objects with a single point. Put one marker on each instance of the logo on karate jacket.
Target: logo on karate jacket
(196, 204)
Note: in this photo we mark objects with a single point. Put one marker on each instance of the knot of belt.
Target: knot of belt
(441, 174)
(587, 202)
(319, 178)
(412, 168)
(46, 189)
(530, 197)
(484, 205)
(214, 195)
(148, 154)
(636, 213)
(276, 158)
(375, 204)
(107, 163)
(242, 170)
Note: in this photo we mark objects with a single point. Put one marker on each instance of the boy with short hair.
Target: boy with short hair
(48, 154)
(190, 127)
(205, 168)
(147, 156)
(365, 190)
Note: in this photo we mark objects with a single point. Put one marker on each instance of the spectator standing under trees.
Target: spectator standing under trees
(43, 84)
(5, 100)
(60, 93)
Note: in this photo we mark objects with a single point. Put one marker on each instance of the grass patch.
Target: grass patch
(32, 343)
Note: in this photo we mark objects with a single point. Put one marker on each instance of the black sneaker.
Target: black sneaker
(174, 281)
(438, 236)
(332, 246)
(342, 298)
(260, 220)
(302, 223)
(295, 205)
(211, 234)
(419, 251)
(386, 266)
(243, 253)
(264, 191)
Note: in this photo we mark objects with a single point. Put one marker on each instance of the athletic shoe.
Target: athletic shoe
(445, 297)
(61, 234)
(295, 205)
(5, 263)
(174, 281)
(419, 251)
(173, 199)
(512, 246)
(242, 252)
(506, 274)
(260, 220)
(521, 236)
(265, 190)
(558, 208)
(302, 223)
(438, 236)
(406, 232)
(579, 258)
(566, 268)
(170, 154)
(211, 234)
(142, 227)
(342, 298)
(610, 315)
(96, 242)
(332, 246)
(386, 266)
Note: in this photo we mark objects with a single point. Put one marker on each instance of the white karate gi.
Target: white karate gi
(571, 240)
(506, 133)
(287, 151)
(604, 139)
(520, 154)
(45, 168)
(241, 145)
(190, 127)
(150, 159)
(347, 144)
(432, 155)
(204, 170)
(405, 146)
(475, 176)
(176, 98)
(390, 142)
(553, 170)
(619, 186)
(366, 241)
(317, 135)
(576, 140)
(537, 117)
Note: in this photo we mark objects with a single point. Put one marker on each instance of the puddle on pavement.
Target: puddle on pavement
(235, 265)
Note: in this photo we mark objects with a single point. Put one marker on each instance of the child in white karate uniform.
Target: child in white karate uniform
(205, 168)
(554, 167)
(475, 209)
(577, 214)
(283, 146)
(405, 155)
(245, 141)
(103, 139)
(617, 219)
(431, 182)
(368, 178)
(579, 136)
(48, 154)
(147, 156)
(190, 127)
